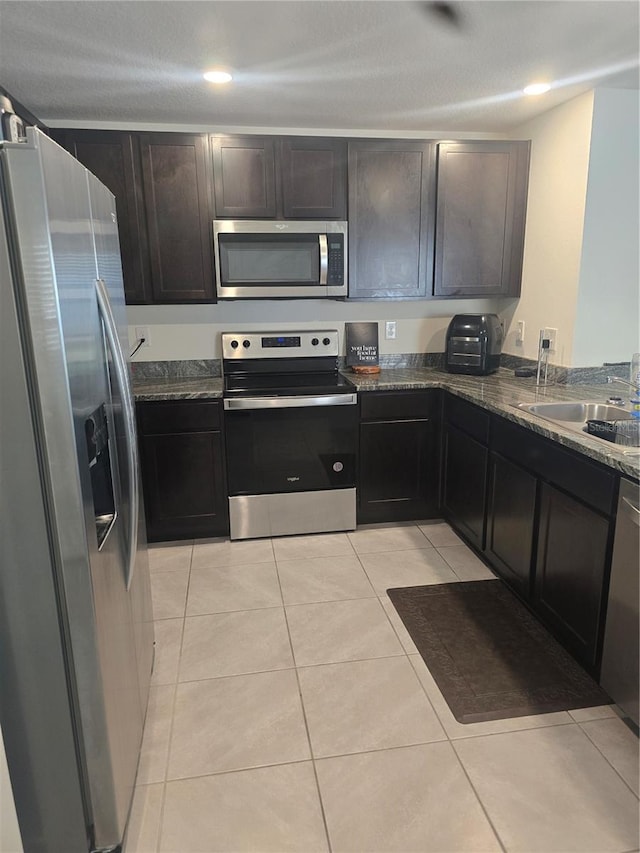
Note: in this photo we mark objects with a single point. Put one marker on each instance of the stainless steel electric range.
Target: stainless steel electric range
(291, 429)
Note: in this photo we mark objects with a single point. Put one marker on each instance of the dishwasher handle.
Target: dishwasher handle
(631, 511)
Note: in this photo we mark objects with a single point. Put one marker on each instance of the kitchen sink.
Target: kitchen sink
(595, 419)
(578, 413)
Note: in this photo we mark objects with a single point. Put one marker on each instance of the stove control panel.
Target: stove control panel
(289, 344)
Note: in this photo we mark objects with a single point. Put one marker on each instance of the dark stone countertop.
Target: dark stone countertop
(497, 393)
(177, 388)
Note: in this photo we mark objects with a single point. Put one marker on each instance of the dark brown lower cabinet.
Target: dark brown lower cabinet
(545, 525)
(182, 460)
(465, 484)
(570, 571)
(399, 456)
(510, 522)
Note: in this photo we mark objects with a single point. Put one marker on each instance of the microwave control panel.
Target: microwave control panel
(335, 252)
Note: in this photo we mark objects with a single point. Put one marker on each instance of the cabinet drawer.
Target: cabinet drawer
(399, 405)
(586, 480)
(467, 417)
(162, 418)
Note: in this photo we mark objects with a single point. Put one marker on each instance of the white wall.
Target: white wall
(607, 312)
(560, 141)
(193, 331)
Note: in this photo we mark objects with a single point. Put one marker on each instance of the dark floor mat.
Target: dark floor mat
(490, 657)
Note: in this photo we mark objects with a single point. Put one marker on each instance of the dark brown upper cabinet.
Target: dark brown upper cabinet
(314, 178)
(177, 193)
(161, 182)
(391, 187)
(267, 177)
(114, 158)
(244, 176)
(480, 218)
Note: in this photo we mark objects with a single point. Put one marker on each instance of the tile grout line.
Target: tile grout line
(173, 705)
(229, 612)
(306, 723)
(282, 669)
(591, 740)
(250, 768)
(175, 689)
(478, 798)
(233, 770)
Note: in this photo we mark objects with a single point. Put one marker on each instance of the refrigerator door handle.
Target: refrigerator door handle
(122, 379)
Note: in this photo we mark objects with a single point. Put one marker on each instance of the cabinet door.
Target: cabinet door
(465, 481)
(510, 522)
(177, 197)
(570, 568)
(244, 176)
(390, 218)
(314, 178)
(482, 196)
(114, 158)
(184, 486)
(398, 471)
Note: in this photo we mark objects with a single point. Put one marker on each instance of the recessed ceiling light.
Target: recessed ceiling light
(537, 88)
(217, 76)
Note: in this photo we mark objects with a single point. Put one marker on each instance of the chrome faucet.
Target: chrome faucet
(624, 382)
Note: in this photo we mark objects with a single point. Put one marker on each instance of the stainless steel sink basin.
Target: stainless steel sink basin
(576, 413)
(574, 416)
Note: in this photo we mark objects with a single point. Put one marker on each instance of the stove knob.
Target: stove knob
(234, 344)
(326, 341)
(246, 344)
(315, 342)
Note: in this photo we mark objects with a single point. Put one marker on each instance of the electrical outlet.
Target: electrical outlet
(520, 332)
(142, 332)
(552, 336)
(390, 330)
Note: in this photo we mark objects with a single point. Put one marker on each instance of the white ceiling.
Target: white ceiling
(368, 64)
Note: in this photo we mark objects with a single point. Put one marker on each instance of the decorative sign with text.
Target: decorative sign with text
(361, 344)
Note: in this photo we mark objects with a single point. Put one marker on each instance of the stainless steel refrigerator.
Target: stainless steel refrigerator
(76, 633)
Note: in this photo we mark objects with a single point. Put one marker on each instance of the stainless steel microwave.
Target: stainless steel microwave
(284, 259)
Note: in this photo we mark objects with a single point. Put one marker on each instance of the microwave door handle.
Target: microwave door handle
(324, 257)
(124, 388)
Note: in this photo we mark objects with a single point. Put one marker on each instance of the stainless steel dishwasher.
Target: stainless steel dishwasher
(620, 659)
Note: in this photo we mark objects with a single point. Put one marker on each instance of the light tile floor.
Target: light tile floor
(290, 711)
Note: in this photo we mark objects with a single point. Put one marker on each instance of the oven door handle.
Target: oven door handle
(299, 402)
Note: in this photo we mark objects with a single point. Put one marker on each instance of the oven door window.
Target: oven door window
(291, 450)
(260, 260)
